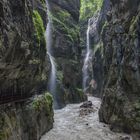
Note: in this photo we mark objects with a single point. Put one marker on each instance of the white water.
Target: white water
(69, 125)
(52, 78)
(87, 60)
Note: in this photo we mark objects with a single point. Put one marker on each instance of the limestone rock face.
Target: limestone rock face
(22, 49)
(121, 42)
(66, 49)
(27, 120)
(23, 71)
(96, 44)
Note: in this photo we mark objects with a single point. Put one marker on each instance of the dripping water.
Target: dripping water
(87, 60)
(52, 78)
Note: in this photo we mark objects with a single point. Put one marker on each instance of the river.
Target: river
(69, 125)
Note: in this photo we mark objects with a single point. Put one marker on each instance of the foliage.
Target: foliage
(61, 21)
(89, 8)
(45, 100)
(49, 98)
(39, 27)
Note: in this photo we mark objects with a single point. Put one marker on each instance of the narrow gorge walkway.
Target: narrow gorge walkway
(69, 125)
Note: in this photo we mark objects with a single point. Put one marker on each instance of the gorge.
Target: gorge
(69, 70)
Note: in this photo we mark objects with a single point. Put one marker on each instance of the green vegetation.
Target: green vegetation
(98, 47)
(61, 21)
(89, 8)
(133, 26)
(60, 75)
(48, 98)
(39, 27)
(80, 92)
(43, 100)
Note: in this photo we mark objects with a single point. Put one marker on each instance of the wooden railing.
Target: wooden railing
(9, 96)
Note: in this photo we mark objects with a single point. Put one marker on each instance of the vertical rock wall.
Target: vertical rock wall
(66, 49)
(23, 71)
(121, 101)
(26, 120)
(22, 49)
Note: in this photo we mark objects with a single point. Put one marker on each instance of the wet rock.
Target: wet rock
(24, 70)
(98, 21)
(25, 121)
(86, 108)
(120, 36)
(23, 63)
(86, 111)
(125, 138)
(86, 104)
(66, 49)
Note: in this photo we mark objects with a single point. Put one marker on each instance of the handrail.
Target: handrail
(7, 97)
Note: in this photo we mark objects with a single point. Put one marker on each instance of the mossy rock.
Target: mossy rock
(39, 28)
(69, 29)
(43, 100)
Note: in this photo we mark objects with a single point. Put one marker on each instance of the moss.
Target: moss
(89, 8)
(39, 28)
(73, 62)
(43, 76)
(5, 124)
(49, 98)
(99, 47)
(4, 135)
(104, 27)
(133, 24)
(43, 101)
(36, 104)
(34, 61)
(60, 75)
(80, 92)
(69, 29)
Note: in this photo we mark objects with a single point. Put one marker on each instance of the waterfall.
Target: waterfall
(87, 60)
(52, 77)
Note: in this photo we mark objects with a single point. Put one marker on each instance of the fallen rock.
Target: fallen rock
(87, 104)
(86, 111)
(86, 108)
(124, 138)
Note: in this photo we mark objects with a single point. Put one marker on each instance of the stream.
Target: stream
(69, 125)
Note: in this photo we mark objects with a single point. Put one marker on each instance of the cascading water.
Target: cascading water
(87, 60)
(52, 78)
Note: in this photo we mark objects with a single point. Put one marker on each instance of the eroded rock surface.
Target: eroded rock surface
(66, 50)
(121, 102)
(26, 120)
(23, 69)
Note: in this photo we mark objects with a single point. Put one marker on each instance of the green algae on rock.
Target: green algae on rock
(26, 120)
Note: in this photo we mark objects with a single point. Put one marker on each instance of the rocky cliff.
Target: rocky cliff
(121, 41)
(22, 49)
(23, 71)
(66, 49)
(26, 120)
(97, 23)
